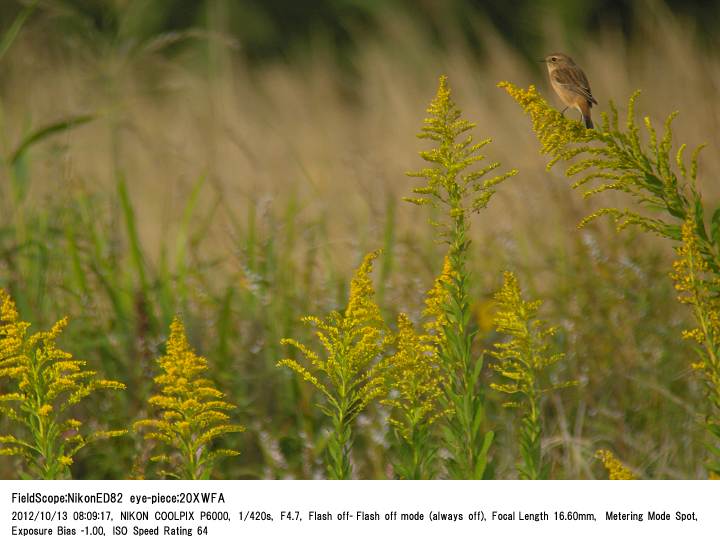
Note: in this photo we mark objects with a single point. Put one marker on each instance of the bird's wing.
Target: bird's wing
(574, 79)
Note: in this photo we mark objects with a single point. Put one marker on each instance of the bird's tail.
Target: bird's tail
(587, 120)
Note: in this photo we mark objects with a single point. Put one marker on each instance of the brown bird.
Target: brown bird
(570, 83)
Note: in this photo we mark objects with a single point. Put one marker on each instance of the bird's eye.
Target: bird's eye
(554, 59)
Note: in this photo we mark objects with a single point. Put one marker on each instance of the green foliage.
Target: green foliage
(192, 412)
(44, 383)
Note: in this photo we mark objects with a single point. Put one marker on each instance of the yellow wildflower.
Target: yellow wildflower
(527, 352)
(193, 412)
(445, 183)
(349, 375)
(616, 470)
(45, 410)
(415, 378)
(47, 382)
(456, 181)
(696, 285)
(352, 341)
(522, 360)
(554, 131)
(437, 302)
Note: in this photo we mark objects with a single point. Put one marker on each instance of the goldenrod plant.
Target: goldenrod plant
(697, 283)
(40, 384)
(349, 373)
(621, 162)
(192, 413)
(416, 382)
(455, 185)
(523, 360)
(614, 467)
(669, 204)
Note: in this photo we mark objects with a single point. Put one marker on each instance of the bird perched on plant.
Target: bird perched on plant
(570, 83)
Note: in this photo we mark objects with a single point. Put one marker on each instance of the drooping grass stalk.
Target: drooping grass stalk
(349, 373)
(455, 188)
(192, 412)
(523, 359)
(668, 203)
(44, 383)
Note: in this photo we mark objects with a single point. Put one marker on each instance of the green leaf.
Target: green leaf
(12, 33)
(715, 227)
(46, 132)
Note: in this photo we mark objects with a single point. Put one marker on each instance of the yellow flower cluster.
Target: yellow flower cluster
(554, 131)
(351, 373)
(193, 412)
(616, 470)
(436, 303)
(415, 379)
(353, 342)
(527, 351)
(445, 182)
(12, 330)
(696, 286)
(47, 382)
(522, 357)
(687, 270)
(690, 275)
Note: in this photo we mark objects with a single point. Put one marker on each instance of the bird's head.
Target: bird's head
(558, 60)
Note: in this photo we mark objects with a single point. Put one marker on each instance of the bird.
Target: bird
(572, 86)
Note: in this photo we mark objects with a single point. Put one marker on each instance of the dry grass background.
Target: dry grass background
(304, 162)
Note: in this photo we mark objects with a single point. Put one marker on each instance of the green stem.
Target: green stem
(339, 446)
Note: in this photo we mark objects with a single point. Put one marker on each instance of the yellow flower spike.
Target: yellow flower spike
(416, 382)
(435, 304)
(619, 161)
(349, 372)
(554, 131)
(190, 409)
(456, 182)
(522, 359)
(616, 470)
(696, 284)
(450, 182)
(44, 383)
(45, 410)
(414, 376)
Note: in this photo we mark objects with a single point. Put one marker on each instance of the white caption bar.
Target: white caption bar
(319, 514)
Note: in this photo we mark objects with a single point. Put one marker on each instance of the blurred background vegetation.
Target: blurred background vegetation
(233, 160)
